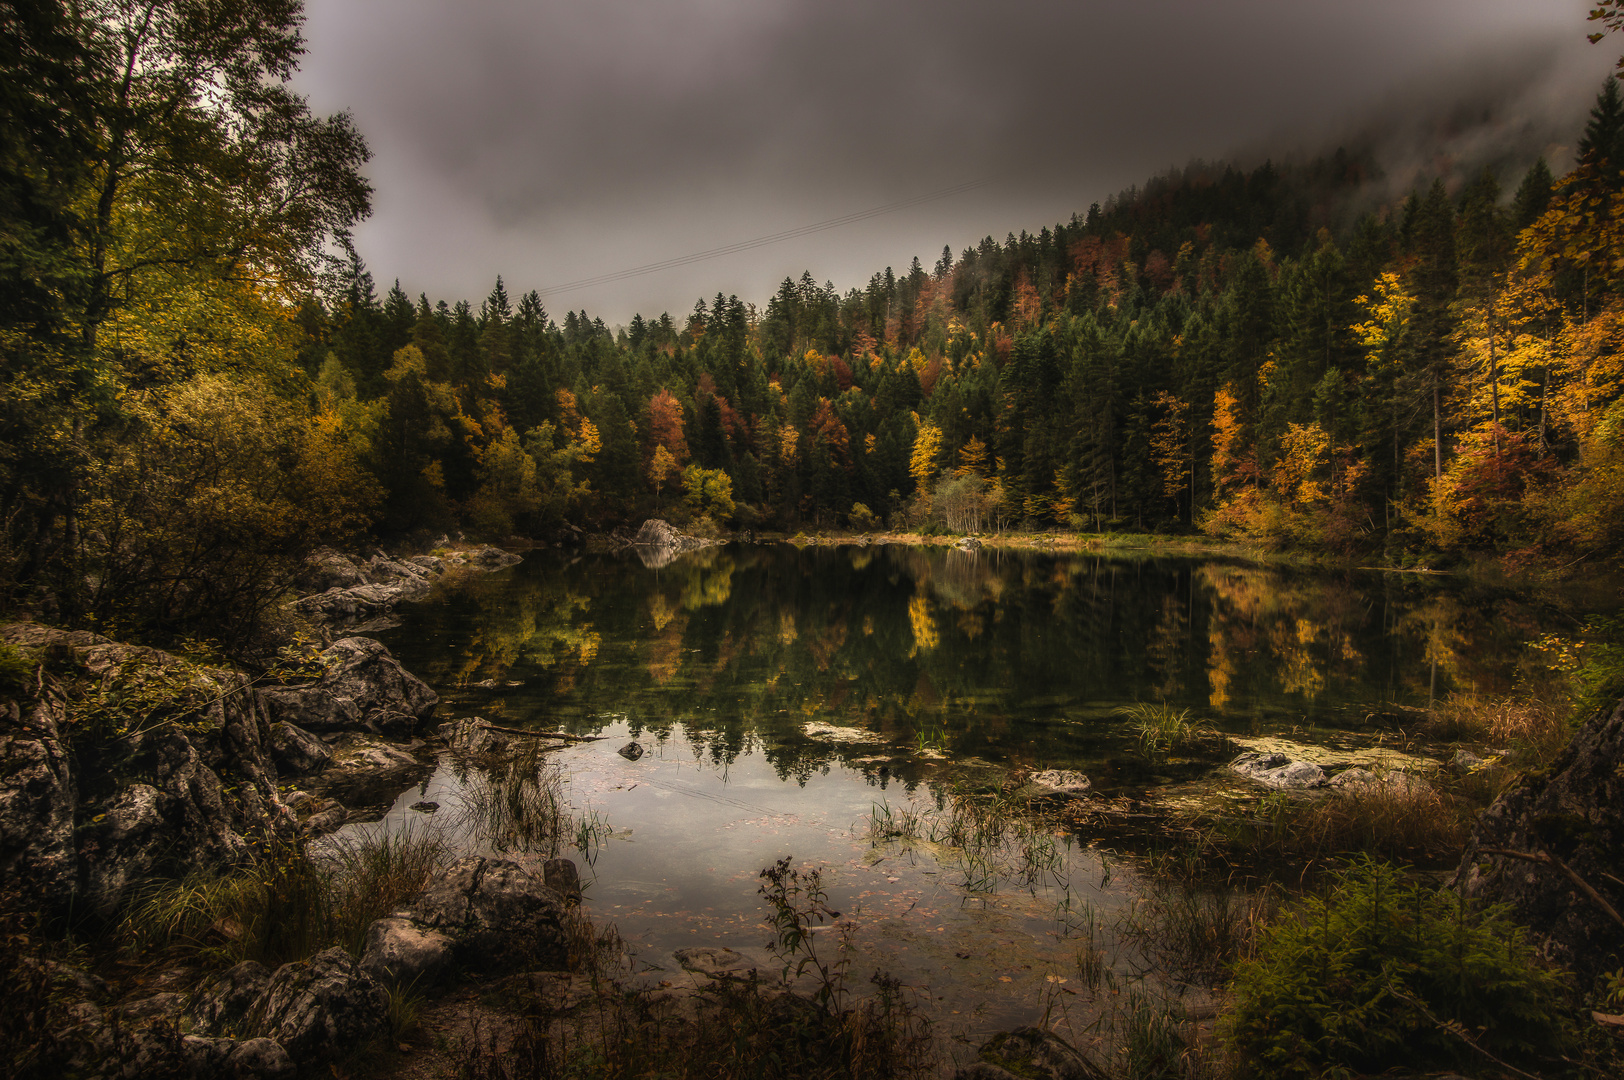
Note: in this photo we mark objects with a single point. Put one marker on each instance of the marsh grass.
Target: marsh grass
(1533, 729)
(293, 902)
(1416, 823)
(990, 836)
(1195, 933)
(1160, 729)
(733, 1029)
(520, 805)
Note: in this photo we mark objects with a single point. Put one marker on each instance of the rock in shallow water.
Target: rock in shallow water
(1278, 771)
(297, 752)
(1031, 1053)
(1061, 781)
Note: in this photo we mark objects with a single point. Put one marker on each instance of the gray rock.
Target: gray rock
(657, 544)
(297, 752)
(563, 877)
(260, 1058)
(1396, 781)
(399, 953)
(499, 915)
(156, 1007)
(369, 771)
(716, 963)
(38, 798)
(1031, 1053)
(321, 1009)
(1465, 762)
(1574, 811)
(968, 543)
(494, 558)
(1061, 781)
(1278, 771)
(631, 751)
(364, 687)
(327, 569)
(470, 735)
(225, 998)
(159, 800)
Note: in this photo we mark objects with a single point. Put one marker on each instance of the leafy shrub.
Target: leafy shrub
(1385, 972)
(862, 518)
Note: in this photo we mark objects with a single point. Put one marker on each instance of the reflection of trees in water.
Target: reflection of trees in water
(745, 642)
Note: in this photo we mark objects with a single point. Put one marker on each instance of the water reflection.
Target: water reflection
(1008, 658)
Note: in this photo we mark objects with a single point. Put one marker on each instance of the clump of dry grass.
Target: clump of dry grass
(1390, 820)
(1532, 728)
(290, 904)
(1411, 822)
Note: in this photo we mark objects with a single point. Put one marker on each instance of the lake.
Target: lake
(787, 697)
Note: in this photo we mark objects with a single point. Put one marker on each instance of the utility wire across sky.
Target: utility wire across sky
(763, 241)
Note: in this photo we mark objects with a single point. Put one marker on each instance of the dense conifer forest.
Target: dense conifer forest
(196, 390)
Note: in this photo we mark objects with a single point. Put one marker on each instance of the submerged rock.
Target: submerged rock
(1572, 812)
(563, 877)
(1278, 771)
(1029, 1053)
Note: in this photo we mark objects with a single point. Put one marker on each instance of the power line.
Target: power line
(763, 241)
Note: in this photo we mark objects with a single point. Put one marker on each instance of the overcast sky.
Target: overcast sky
(554, 141)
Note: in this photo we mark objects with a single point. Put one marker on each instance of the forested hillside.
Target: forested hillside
(1227, 350)
(195, 392)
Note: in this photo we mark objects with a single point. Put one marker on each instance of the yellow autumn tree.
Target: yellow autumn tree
(927, 446)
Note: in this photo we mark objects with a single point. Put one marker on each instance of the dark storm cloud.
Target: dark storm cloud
(554, 141)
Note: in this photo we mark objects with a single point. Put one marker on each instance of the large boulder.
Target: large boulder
(364, 687)
(657, 544)
(327, 569)
(322, 1008)
(499, 915)
(80, 831)
(1569, 815)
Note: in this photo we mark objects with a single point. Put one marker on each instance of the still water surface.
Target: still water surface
(782, 693)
